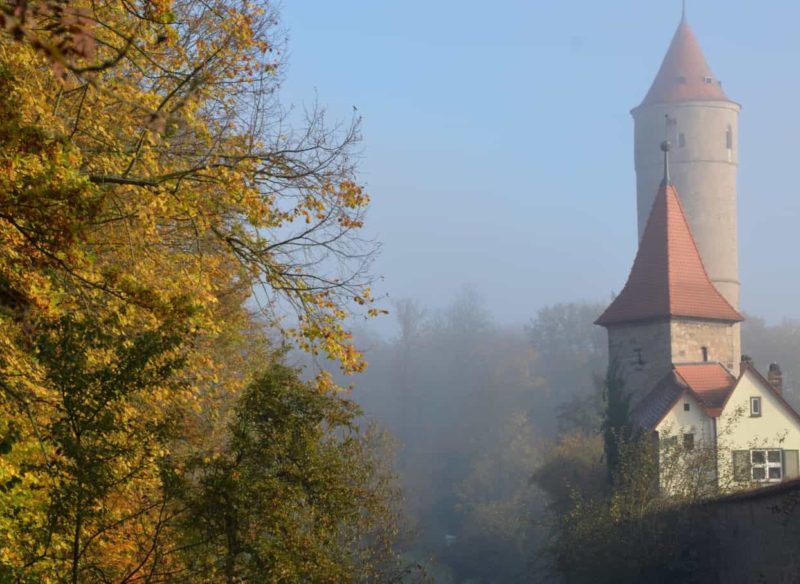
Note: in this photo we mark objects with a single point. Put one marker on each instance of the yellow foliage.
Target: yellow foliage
(148, 182)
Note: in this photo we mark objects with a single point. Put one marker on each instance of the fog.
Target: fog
(498, 149)
(498, 143)
(476, 409)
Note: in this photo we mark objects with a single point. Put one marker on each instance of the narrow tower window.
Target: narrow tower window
(682, 140)
(729, 138)
(705, 354)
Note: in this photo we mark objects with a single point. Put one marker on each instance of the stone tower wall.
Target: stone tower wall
(627, 342)
(703, 168)
(664, 343)
(722, 340)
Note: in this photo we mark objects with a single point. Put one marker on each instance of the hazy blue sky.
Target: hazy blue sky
(498, 141)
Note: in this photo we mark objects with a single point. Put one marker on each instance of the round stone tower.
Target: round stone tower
(687, 106)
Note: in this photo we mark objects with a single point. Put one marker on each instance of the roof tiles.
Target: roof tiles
(711, 383)
(668, 278)
(684, 74)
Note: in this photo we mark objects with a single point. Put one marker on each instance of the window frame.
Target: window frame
(766, 466)
(757, 411)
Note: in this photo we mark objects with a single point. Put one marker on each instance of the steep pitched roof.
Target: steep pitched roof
(710, 384)
(668, 277)
(649, 412)
(684, 74)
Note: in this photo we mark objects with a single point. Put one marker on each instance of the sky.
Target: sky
(498, 144)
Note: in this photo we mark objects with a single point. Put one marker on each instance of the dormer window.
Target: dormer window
(708, 80)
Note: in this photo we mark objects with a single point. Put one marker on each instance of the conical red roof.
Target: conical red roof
(668, 277)
(685, 74)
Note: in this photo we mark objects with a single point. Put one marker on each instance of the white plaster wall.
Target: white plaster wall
(764, 431)
(775, 428)
(679, 422)
(704, 173)
(681, 471)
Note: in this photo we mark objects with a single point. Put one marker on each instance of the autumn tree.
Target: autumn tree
(296, 494)
(157, 212)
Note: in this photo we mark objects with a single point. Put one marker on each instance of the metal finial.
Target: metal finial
(665, 148)
(683, 12)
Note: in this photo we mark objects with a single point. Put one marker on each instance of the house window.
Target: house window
(688, 441)
(686, 407)
(681, 140)
(705, 354)
(755, 407)
(766, 465)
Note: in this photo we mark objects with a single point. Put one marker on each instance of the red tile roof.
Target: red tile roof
(668, 278)
(710, 382)
(649, 412)
(685, 74)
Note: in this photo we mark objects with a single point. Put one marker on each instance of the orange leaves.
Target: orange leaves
(178, 173)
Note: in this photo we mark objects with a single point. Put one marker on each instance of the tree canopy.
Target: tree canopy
(161, 220)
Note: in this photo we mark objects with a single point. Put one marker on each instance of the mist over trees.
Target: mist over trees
(499, 427)
(473, 406)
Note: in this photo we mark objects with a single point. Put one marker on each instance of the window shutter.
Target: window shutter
(791, 465)
(741, 465)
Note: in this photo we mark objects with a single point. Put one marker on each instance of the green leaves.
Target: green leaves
(295, 495)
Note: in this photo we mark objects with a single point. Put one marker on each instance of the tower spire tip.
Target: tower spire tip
(665, 148)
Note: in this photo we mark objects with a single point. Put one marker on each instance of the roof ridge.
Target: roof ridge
(668, 277)
(696, 249)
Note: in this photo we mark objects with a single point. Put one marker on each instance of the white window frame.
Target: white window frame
(767, 465)
(755, 412)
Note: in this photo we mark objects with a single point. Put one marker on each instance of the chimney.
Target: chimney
(775, 377)
(747, 362)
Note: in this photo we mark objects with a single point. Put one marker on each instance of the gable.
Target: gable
(679, 420)
(777, 422)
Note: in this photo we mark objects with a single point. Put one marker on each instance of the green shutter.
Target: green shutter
(741, 465)
(791, 465)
